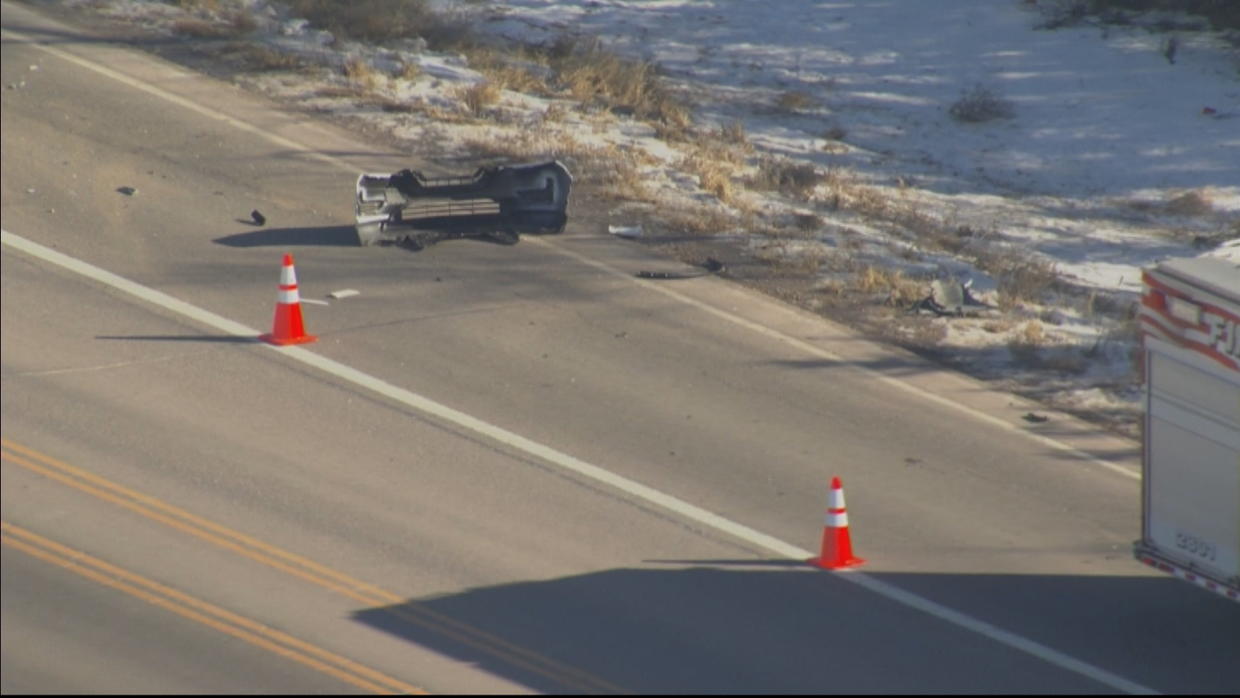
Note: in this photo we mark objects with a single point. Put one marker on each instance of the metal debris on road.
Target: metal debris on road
(625, 231)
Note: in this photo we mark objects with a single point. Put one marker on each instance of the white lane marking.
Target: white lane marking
(177, 100)
(659, 288)
(821, 353)
(563, 460)
(107, 367)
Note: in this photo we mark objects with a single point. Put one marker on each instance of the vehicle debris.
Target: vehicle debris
(343, 293)
(625, 231)
(127, 191)
(258, 218)
(499, 202)
(949, 298)
(710, 266)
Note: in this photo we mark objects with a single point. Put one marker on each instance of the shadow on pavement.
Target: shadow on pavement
(779, 629)
(336, 235)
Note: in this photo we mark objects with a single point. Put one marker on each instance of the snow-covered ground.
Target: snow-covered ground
(1121, 146)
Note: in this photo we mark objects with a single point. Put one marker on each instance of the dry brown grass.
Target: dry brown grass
(795, 179)
(479, 97)
(799, 259)
(714, 158)
(905, 294)
(583, 69)
(713, 176)
(695, 219)
(1098, 303)
(734, 134)
(1032, 332)
(340, 91)
(901, 290)
(368, 20)
(409, 71)
(807, 222)
(1063, 359)
(835, 133)
(555, 112)
(211, 6)
(619, 178)
(871, 201)
(588, 71)
(732, 150)
(1031, 346)
(794, 101)
(360, 73)
(393, 106)
(259, 58)
(831, 287)
(242, 22)
(201, 29)
(1025, 343)
(997, 326)
(1191, 203)
(211, 20)
(615, 172)
(511, 68)
(1021, 279)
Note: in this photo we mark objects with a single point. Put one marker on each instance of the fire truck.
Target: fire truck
(1190, 332)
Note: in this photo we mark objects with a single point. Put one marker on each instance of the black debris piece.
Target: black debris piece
(259, 219)
(949, 299)
(710, 266)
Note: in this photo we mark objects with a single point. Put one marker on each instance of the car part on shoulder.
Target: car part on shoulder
(710, 266)
(499, 202)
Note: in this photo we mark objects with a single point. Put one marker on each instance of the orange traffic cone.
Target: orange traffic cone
(836, 543)
(288, 328)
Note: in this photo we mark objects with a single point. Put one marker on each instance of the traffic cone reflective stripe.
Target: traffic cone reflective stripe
(836, 541)
(288, 328)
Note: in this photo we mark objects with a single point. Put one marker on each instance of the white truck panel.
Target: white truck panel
(1190, 317)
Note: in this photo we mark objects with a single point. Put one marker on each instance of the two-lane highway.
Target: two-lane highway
(499, 468)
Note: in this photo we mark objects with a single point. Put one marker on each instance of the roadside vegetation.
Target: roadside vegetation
(1220, 14)
(590, 81)
(796, 210)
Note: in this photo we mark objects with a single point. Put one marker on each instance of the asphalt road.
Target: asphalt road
(499, 469)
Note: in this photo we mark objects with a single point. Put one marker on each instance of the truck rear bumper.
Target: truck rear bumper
(1158, 561)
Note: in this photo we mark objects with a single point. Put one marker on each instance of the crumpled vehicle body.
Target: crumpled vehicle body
(499, 202)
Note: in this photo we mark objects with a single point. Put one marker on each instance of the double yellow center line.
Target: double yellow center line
(298, 566)
(200, 611)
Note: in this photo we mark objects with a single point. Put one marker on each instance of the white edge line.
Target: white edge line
(819, 352)
(177, 100)
(572, 464)
(660, 288)
(564, 460)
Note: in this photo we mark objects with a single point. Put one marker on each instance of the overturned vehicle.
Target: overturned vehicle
(499, 202)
